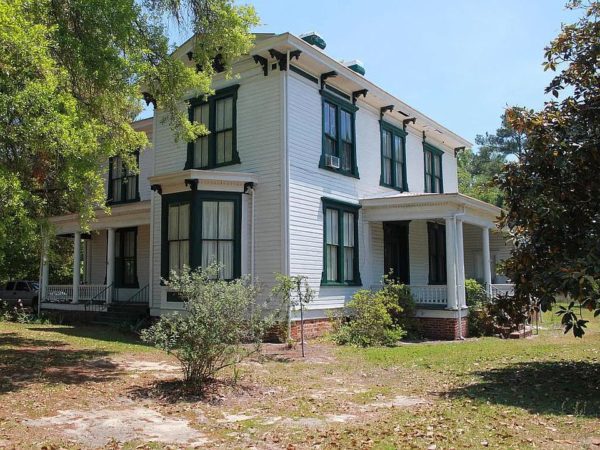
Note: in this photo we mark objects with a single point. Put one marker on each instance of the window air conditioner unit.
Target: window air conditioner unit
(332, 161)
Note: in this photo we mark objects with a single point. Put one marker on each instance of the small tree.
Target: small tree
(295, 292)
(222, 324)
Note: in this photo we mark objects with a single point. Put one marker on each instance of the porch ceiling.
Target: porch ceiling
(121, 216)
(409, 206)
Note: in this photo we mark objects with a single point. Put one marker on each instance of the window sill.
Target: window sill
(389, 186)
(338, 284)
(340, 171)
(122, 202)
(214, 166)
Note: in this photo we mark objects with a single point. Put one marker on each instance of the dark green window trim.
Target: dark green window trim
(195, 199)
(395, 132)
(436, 243)
(432, 177)
(339, 105)
(341, 208)
(337, 92)
(110, 191)
(119, 263)
(230, 91)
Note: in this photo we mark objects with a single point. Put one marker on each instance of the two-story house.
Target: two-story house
(309, 169)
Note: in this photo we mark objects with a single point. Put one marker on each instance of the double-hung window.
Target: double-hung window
(218, 114)
(339, 137)
(202, 228)
(122, 182)
(340, 259)
(437, 253)
(393, 157)
(433, 168)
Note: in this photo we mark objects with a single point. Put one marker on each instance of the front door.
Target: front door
(395, 251)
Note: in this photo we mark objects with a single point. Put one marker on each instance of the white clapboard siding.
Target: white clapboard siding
(97, 257)
(259, 146)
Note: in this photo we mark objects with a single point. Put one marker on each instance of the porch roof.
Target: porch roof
(183, 180)
(415, 206)
(120, 216)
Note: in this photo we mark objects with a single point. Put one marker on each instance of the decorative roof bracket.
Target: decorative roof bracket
(384, 109)
(192, 183)
(357, 94)
(156, 188)
(264, 62)
(325, 76)
(405, 122)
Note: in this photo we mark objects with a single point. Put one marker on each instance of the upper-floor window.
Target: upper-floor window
(123, 183)
(433, 169)
(340, 258)
(218, 114)
(339, 138)
(393, 157)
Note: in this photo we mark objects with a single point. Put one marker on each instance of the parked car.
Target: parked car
(26, 291)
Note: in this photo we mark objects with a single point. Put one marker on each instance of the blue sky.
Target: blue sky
(461, 62)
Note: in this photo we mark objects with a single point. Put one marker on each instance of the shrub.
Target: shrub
(509, 313)
(370, 321)
(222, 324)
(476, 295)
(401, 306)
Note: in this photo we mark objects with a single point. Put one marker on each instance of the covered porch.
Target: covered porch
(111, 261)
(433, 243)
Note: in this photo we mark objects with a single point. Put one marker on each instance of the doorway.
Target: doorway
(395, 251)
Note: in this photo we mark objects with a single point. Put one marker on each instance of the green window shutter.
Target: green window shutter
(340, 244)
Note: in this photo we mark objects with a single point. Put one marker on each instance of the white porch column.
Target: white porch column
(110, 263)
(462, 297)
(76, 265)
(487, 263)
(452, 301)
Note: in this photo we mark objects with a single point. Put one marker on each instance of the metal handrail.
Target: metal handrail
(91, 306)
(141, 296)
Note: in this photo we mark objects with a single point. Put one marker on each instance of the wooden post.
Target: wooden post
(76, 265)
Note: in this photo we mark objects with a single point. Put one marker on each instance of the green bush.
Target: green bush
(221, 326)
(370, 322)
(401, 306)
(481, 322)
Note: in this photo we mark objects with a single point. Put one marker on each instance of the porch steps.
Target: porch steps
(119, 313)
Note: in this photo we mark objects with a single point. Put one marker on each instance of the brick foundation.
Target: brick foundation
(442, 328)
(312, 328)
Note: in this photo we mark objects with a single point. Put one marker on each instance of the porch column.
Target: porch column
(110, 264)
(452, 302)
(487, 271)
(76, 265)
(462, 297)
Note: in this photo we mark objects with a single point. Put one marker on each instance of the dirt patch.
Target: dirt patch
(98, 428)
(399, 401)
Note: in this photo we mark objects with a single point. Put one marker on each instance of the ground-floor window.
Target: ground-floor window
(201, 228)
(126, 258)
(340, 234)
(437, 253)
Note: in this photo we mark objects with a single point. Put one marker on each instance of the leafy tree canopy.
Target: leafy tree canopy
(477, 171)
(553, 190)
(73, 74)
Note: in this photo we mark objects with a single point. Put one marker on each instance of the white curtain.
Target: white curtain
(348, 246)
(332, 241)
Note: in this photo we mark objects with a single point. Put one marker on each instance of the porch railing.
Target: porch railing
(502, 289)
(430, 295)
(427, 295)
(63, 293)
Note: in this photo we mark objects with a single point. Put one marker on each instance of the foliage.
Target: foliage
(553, 190)
(294, 292)
(20, 314)
(481, 322)
(221, 326)
(401, 306)
(370, 321)
(74, 74)
(477, 171)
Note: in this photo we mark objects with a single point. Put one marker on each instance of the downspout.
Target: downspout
(457, 277)
(285, 183)
(252, 257)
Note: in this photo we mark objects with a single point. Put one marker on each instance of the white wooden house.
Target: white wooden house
(309, 169)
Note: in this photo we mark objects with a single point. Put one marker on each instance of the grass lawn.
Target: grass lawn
(90, 387)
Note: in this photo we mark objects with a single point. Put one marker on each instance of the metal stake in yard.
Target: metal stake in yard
(302, 327)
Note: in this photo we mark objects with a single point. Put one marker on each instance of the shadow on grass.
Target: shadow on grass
(544, 387)
(97, 332)
(25, 361)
